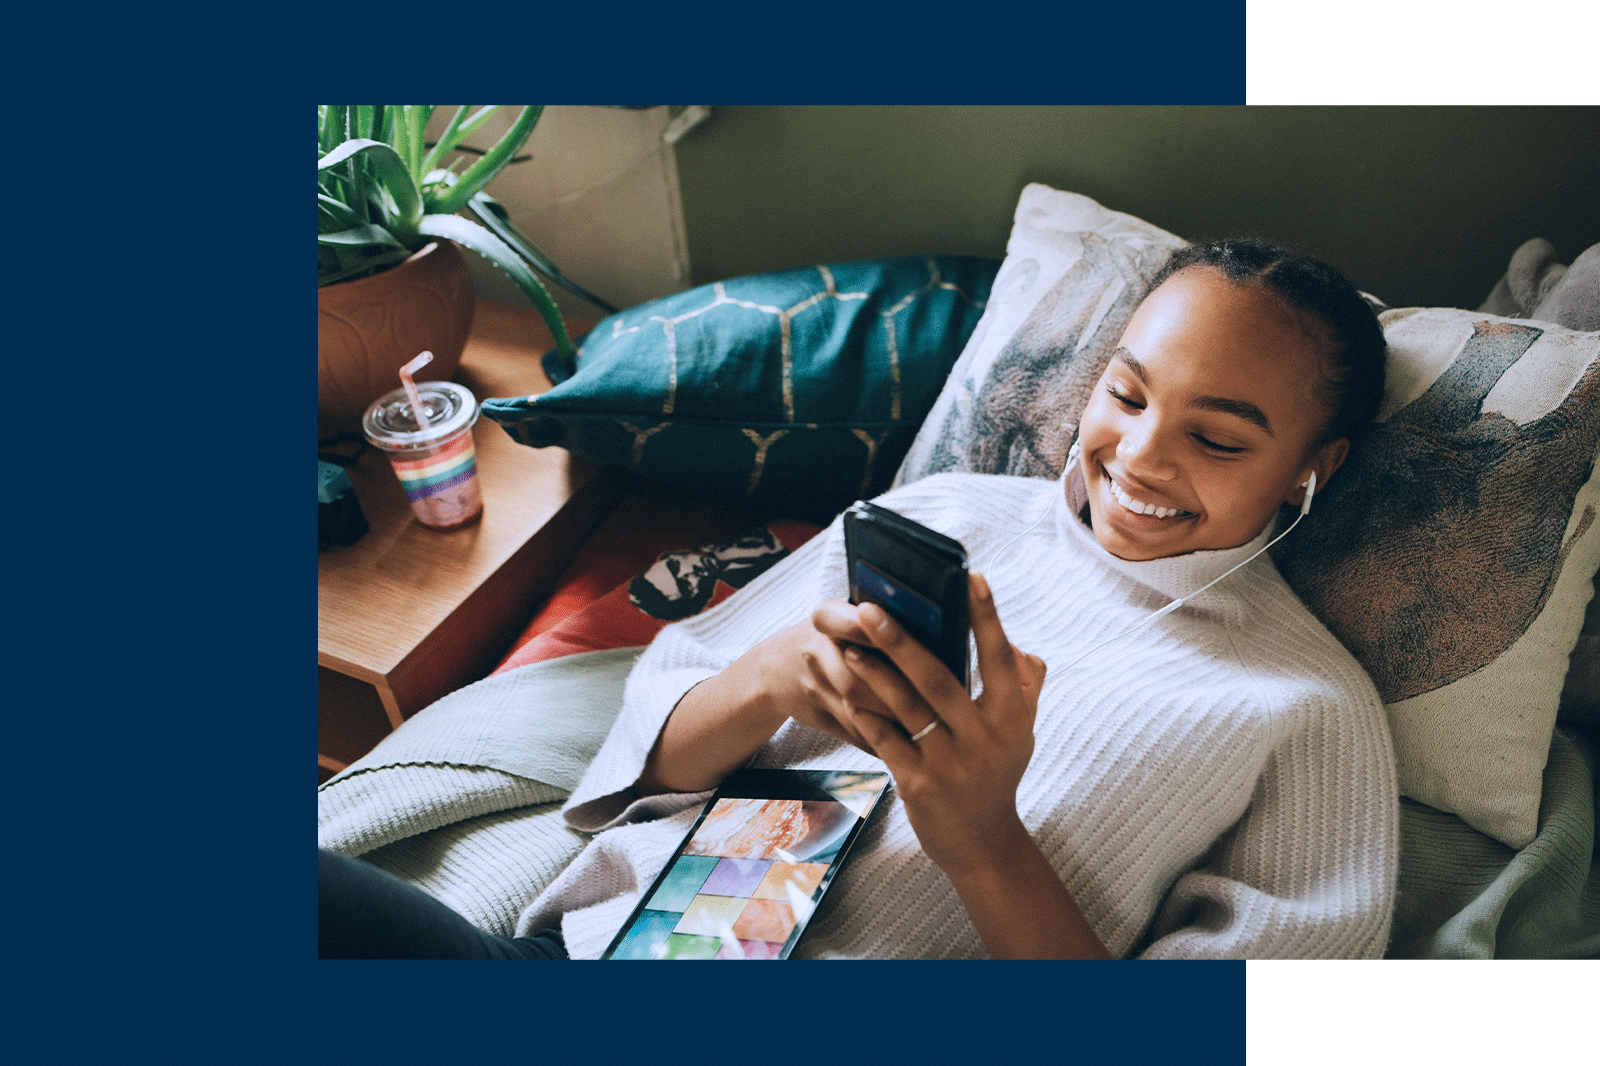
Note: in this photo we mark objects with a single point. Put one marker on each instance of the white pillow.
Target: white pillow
(1454, 556)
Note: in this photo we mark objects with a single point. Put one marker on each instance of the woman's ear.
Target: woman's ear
(1324, 461)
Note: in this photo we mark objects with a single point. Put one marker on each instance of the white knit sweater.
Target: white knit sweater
(1219, 783)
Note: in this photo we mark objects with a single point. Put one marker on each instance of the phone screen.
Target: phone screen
(752, 869)
(920, 614)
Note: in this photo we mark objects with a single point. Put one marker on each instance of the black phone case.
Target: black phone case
(929, 564)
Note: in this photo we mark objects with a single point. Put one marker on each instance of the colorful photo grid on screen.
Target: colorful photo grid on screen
(724, 908)
(747, 879)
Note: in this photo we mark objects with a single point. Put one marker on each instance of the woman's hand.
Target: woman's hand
(798, 672)
(828, 691)
(959, 779)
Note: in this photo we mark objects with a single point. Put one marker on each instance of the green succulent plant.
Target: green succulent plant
(384, 193)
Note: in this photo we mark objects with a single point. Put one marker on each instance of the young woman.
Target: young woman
(1215, 782)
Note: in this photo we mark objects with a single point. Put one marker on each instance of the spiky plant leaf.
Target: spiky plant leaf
(493, 161)
(391, 175)
(336, 213)
(381, 194)
(470, 234)
(459, 129)
(494, 215)
(360, 235)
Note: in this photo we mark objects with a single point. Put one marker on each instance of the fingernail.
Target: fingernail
(983, 588)
(874, 616)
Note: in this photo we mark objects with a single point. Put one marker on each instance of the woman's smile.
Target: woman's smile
(1140, 508)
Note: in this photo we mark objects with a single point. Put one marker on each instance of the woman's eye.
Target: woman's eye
(1205, 442)
(1214, 446)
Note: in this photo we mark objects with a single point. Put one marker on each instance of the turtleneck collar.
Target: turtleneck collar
(1174, 577)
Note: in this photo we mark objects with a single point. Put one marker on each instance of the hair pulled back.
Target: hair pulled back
(1351, 386)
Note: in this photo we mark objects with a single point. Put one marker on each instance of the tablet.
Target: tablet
(753, 867)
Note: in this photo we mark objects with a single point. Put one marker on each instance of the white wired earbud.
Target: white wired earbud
(1310, 485)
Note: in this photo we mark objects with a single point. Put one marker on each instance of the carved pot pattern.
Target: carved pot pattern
(367, 329)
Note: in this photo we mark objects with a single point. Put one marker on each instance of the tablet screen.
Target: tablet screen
(752, 869)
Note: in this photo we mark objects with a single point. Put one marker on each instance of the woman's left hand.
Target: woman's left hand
(958, 781)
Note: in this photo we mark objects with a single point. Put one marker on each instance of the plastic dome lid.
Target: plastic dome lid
(391, 424)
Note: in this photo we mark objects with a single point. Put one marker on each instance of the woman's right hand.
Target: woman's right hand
(812, 679)
(799, 672)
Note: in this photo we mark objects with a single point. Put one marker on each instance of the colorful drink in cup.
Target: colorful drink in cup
(434, 457)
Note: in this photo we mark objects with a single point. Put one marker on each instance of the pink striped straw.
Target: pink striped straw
(410, 386)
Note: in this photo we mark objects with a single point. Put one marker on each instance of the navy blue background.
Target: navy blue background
(163, 697)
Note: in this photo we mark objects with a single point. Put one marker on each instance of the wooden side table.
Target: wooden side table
(408, 614)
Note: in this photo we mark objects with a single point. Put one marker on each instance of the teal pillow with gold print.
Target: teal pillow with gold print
(798, 391)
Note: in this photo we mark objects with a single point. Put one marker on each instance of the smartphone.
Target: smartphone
(753, 867)
(916, 574)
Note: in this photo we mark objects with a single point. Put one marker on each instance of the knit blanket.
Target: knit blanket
(1465, 895)
(464, 801)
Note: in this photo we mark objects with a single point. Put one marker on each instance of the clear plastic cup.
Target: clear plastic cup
(438, 467)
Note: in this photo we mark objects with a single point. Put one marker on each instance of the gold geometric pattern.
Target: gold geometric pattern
(639, 437)
(934, 282)
(757, 369)
(762, 444)
(872, 442)
(785, 316)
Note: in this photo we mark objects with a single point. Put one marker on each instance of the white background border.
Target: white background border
(1391, 52)
(1421, 52)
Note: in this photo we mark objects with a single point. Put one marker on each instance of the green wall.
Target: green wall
(1421, 206)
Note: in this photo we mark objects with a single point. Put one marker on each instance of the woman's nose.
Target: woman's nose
(1145, 454)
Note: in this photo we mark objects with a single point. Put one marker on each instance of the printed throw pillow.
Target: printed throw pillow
(1454, 557)
(797, 392)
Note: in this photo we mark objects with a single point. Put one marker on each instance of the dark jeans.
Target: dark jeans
(367, 913)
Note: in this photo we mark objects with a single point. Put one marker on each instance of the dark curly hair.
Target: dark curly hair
(1351, 388)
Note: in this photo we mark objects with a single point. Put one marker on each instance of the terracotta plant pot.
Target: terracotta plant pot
(367, 329)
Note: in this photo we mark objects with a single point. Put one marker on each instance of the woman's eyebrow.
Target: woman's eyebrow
(1238, 408)
(1247, 411)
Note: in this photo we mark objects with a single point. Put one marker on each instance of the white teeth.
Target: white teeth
(1141, 508)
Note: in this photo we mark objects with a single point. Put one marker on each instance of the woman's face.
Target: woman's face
(1201, 426)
